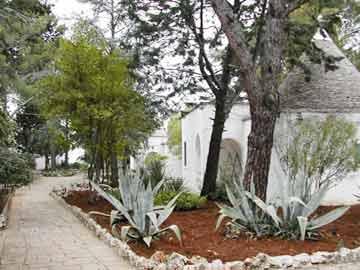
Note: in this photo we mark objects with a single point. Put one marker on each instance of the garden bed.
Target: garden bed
(5, 202)
(200, 238)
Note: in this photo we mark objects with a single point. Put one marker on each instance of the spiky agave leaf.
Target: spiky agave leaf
(303, 222)
(267, 209)
(327, 218)
(175, 229)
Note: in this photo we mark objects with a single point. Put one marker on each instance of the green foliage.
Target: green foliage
(289, 217)
(186, 201)
(60, 173)
(137, 207)
(174, 135)
(15, 169)
(172, 184)
(320, 151)
(93, 89)
(304, 22)
(155, 168)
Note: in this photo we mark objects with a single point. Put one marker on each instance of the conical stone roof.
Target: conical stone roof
(329, 91)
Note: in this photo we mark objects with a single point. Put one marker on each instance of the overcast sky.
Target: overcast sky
(68, 10)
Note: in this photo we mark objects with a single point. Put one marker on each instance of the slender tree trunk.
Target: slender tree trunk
(260, 143)
(98, 162)
(114, 168)
(47, 162)
(66, 161)
(212, 163)
(53, 157)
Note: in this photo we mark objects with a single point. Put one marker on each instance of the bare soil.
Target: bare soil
(200, 238)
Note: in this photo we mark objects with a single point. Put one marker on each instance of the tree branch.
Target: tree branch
(234, 31)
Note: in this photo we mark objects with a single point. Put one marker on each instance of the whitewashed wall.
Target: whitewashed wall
(198, 124)
(344, 192)
(157, 142)
(196, 130)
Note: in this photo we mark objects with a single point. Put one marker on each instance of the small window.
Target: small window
(185, 155)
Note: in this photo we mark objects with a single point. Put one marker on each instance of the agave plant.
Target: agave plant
(291, 218)
(137, 207)
(248, 212)
(298, 206)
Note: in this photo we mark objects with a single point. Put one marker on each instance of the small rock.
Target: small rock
(237, 265)
(158, 256)
(198, 260)
(248, 262)
(189, 267)
(176, 261)
(281, 261)
(344, 252)
(322, 257)
(202, 266)
(261, 260)
(302, 259)
(217, 265)
(161, 266)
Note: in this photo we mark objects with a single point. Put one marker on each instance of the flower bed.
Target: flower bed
(203, 244)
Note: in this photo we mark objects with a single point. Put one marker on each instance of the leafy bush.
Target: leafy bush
(186, 201)
(154, 169)
(322, 152)
(60, 173)
(173, 184)
(137, 207)
(290, 218)
(15, 168)
(174, 135)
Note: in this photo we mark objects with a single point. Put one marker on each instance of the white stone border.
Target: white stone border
(4, 215)
(261, 261)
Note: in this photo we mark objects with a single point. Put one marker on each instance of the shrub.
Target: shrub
(173, 184)
(15, 168)
(186, 201)
(154, 169)
(322, 152)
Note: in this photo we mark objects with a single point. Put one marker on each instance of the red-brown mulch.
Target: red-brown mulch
(200, 238)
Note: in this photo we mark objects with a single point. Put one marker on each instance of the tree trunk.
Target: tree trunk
(98, 165)
(212, 163)
(260, 143)
(114, 169)
(46, 162)
(53, 157)
(66, 161)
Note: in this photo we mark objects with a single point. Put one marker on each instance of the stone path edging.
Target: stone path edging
(122, 249)
(4, 215)
(261, 261)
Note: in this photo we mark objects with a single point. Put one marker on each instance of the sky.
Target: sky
(68, 10)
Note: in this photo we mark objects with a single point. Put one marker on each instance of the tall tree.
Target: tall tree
(94, 90)
(204, 67)
(262, 68)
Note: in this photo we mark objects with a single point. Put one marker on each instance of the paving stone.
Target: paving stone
(42, 235)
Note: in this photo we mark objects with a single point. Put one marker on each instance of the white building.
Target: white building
(331, 90)
(157, 143)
